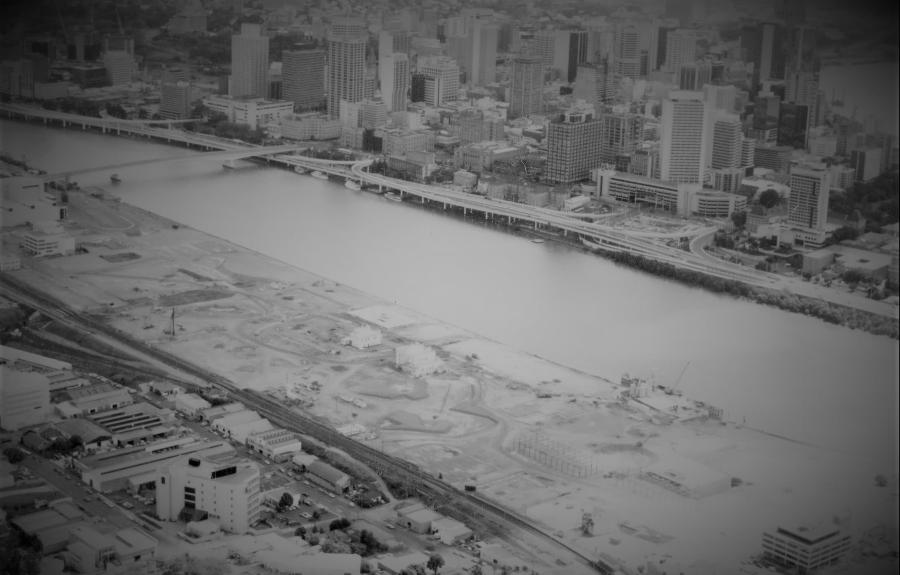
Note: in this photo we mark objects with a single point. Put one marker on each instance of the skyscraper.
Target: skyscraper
(483, 38)
(620, 135)
(808, 200)
(694, 75)
(175, 94)
(792, 125)
(441, 79)
(627, 55)
(727, 141)
(303, 77)
(595, 84)
(347, 41)
(249, 63)
(573, 148)
(681, 48)
(684, 137)
(526, 89)
(394, 80)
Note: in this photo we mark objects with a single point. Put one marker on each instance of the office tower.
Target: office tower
(573, 148)
(570, 48)
(727, 141)
(866, 163)
(763, 46)
(227, 489)
(802, 87)
(483, 67)
(620, 135)
(600, 42)
(684, 137)
(649, 47)
(442, 79)
(662, 41)
(792, 125)
(417, 88)
(808, 200)
(627, 55)
(766, 113)
(526, 88)
(303, 77)
(249, 63)
(120, 66)
(694, 75)
(681, 48)
(392, 41)
(543, 46)
(723, 98)
(394, 72)
(595, 84)
(175, 97)
(347, 41)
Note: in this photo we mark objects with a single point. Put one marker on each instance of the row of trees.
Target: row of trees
(876, 200)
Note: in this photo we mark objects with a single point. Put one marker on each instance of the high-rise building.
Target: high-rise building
(727, 141)
(793, 125)
(394, 80)
(442, 79)
(226, 489)
(681, 48)
(303, 77)
(347, 41)
(802, 87)
(120, 66)
(595, 84)
(483, 67)
(570, 48)
(573, 148)
(684, 137)
(627, 52)
(249, 63)
(866, 163)
(694, 75)
(526, 89)
(417, 88)
(620, 135)
(175, 99)
(662, 42)
(808, 200)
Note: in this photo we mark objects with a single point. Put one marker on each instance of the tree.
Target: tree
(300, 532)
(435, 562)
(844, 233)
(739, 219)
(14, 454)
(769, 199)
(286, 501)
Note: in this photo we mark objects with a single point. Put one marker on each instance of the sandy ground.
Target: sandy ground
(546, 440)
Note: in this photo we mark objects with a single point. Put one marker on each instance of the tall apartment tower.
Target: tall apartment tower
(808, 201)
(347, 41)
(303, 77)
(441, 79)
(175, 96)
(595, 84)
(727, 141)
(526, 89)
(249, 63)
(573, 148)
(394, 79)
(681, 48)
(684, 137)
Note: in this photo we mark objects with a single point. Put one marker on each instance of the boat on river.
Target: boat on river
(115, 178)
(352, 185)
(300, 169)
(320, 175)
(393, 196)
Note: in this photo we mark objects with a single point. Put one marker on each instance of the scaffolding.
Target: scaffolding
(556, 455)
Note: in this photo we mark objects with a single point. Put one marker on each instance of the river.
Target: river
(782, 372)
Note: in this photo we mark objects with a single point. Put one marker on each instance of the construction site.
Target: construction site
(615, 467)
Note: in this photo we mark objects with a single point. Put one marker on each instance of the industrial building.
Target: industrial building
(131, 467)
(239, 425)
(275, 444)
(225, 488)
(191, 404)
(26, 199)
(94, 398)
(328, 476)
(123, 550)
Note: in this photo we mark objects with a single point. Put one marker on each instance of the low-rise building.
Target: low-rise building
(806, 549)
(220, 410)
(124, 550)
(240, 424)
(450, 531)
(191, 404)
(276, 444)
(328, 476)
(310, 126)
(224, 488)
(414, 166)
(363, 337)
(253, 112)
(465, 179)
(716, 204)
(417, 359)
(136, 423)
(47, 239)
(417, 518)
(93, 398)
(633, 189)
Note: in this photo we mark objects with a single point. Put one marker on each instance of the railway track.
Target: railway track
(384, 464)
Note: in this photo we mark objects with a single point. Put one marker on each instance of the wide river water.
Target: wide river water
(781, 372)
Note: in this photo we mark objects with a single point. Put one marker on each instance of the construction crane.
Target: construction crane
(678, 380)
